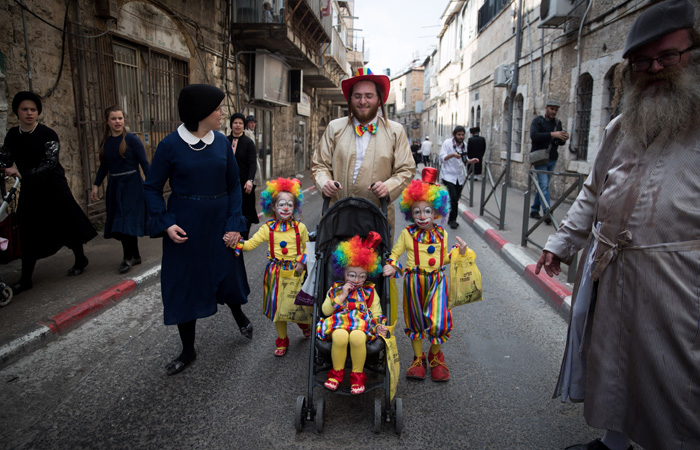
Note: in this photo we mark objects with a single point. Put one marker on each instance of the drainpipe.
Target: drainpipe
(26, 45)
(578, 74)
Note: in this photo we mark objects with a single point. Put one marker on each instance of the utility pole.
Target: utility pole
(513, 88)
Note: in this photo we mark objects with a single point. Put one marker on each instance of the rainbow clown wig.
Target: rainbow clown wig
(425, 190)
(359, 252)
(274, 187)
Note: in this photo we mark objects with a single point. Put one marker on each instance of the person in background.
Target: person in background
(49, 216)
(247, 159)
(476, 148)
(364, 155)
(415, 151)
(267, 13)
(250, 124)
(632, 354)
(546, 133)
(200, 220)
(452, 170)
(426, 148)
(121, 154)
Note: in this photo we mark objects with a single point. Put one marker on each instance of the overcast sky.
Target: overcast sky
(395, 30)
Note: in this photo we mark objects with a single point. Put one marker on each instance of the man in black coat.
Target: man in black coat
(476, 148)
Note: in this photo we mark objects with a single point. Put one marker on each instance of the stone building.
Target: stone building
(405, 102)
(83, 56)
(569, 51)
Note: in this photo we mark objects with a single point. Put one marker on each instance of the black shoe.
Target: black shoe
(135, 261)
(548, 220)
(453, 225)
(593, 445)
(124, 267)
(178, 365)
(247, 331)
(78, 268)
(535, 215)
(21, 286)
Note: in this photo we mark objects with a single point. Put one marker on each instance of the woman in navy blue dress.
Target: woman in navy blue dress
(121, 154)
(200, 221)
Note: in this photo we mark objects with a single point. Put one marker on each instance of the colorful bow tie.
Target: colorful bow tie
(360, 130)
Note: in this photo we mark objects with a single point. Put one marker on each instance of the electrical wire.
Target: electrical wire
(62, 30)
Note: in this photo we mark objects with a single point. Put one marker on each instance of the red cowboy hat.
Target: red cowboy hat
(366, 75)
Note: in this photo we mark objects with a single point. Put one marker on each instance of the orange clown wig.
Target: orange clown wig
(425, 190)
(358, 252)
(274, 187)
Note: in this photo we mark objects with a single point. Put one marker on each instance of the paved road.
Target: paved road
(103, 385)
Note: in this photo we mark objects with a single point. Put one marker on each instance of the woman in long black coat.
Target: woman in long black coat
(49, 216)
(246, 157)
(200, 221)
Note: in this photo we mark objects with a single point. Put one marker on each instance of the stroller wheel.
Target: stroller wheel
(318, 419)
(398, 420)
(377, 414)
(299, 413)
(5, 294)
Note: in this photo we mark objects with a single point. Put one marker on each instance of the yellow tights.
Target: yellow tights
(358, 349)
(281, 329)
(418, 348)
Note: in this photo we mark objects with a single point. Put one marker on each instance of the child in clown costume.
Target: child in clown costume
(425, 297)
(353, 309)
(286, 240)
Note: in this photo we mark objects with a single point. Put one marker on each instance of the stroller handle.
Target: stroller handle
(383, 205)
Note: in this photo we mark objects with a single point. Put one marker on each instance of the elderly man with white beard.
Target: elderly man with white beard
(633, 347)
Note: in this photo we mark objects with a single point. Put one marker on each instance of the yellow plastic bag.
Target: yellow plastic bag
(465, 279)
(392, 359)
(288, 288)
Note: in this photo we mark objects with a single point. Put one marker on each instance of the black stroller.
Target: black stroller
(6, 224)
(346, 218)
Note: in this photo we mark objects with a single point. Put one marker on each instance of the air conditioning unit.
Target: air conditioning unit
(553, 13)
(503, 75)
(107, 9)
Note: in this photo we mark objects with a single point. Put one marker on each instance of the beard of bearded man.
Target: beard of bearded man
(660, 112)
(366, 116)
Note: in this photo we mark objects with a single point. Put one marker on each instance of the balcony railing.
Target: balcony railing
(256, 11)
(336, 51)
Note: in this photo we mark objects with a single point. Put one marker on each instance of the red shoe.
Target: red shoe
(282, 345)
(306, 329)
(357, 382)
(335, 377)
(418, 368)
(438, 368)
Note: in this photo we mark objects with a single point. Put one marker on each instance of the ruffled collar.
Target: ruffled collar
(276, 225)
(437, 234)
(191, 139)
(362, 293)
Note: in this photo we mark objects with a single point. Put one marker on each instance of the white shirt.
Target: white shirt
(362, 142)
(452, 170)
(426, 147)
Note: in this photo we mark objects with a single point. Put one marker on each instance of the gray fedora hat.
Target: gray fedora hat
(659, 20)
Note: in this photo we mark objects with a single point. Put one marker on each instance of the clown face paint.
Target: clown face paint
(284, 206)
(423, 215)
(356, 276)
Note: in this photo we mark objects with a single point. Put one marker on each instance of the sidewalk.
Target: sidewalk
(57, 302)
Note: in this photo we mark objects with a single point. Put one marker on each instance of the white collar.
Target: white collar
(357, 122)
(191, 139)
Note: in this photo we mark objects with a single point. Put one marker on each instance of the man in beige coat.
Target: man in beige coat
(633, 349)
(364, 155)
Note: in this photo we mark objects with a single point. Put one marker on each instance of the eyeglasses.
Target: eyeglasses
(285, 204)
(666, 60)
(358, 97)
(427, 211)
(353, 276)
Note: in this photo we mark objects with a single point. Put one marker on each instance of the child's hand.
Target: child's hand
(462, 245)
(390, 271)
(347, 289)
(382, 330)
(299, 267)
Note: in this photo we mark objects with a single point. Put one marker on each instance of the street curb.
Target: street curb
(557, 294)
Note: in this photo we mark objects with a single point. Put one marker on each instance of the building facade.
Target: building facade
(405, 102)
(83, 56)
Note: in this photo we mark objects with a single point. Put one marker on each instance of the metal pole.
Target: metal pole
(513, 90)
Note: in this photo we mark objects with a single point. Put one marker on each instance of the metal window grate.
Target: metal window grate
(518, 124)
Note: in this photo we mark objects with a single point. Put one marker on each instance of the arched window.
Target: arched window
(584, 98)
(478, 116)
(609, 95)
(518, 124)
(471, 116)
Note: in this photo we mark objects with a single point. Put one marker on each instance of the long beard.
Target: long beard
(660, 112)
